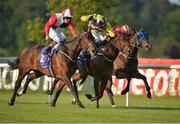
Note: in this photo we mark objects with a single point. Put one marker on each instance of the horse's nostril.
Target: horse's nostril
(94, 51)
(148, 46)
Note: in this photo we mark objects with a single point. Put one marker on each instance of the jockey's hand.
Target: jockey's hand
(47, 37)
(108, 38)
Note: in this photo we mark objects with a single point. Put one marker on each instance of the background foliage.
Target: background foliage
(22, 22)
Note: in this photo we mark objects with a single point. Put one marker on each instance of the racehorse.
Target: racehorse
(100, 67)
(137, 39)
(63, 64)
(126, 66)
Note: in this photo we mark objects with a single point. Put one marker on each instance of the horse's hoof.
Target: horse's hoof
(19, 94)
(81, 106)
(123, 92)
(52, 105)
(149, 95)
(88, 96)
(10, 104)
(48, 92)
(73, 102)
(113, 106)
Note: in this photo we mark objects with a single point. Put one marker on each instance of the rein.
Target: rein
(67, 56)
(102, 54)
(90, 44)
(120, 53)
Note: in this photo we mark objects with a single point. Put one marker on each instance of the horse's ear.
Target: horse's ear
(133, 30)
(141, 29)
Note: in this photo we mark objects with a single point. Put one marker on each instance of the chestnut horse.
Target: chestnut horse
(134, 41)
(63, 64)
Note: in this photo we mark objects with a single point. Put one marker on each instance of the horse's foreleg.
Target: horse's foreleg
(120, 74)
(127, 86)
(74, 93)
(50, 92)
(102, 88)
(140, 76)
(60, 87)
(77, 77)
(109, 92)
(96, 89)
(30, 77)
(17, 85)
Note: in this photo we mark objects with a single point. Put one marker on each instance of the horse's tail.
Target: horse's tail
(14, 64)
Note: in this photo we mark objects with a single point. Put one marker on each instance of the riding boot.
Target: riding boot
(47, 51)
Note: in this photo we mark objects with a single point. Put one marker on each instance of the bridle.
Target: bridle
(141, 35)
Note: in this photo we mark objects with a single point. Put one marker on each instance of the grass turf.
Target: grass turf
(33, 107)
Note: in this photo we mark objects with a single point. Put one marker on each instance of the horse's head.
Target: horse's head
(87, 43)
(141, 39)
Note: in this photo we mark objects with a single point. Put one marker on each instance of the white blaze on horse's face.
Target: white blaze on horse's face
(143, 40)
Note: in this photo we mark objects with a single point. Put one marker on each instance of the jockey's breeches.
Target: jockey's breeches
(98, 36)
(57, 35)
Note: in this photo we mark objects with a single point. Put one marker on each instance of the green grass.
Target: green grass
(34, 107)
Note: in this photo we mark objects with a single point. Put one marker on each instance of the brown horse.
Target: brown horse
(135, 41)
(63, 64)
(126, 66)
(100, 67)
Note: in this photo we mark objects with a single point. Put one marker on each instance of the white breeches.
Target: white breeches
(99, 37)
(57, 35)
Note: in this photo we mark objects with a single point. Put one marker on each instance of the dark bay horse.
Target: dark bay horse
(100, 67)
(63, 64)
(135, 40)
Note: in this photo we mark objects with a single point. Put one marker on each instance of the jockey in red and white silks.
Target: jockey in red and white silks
(53, 28)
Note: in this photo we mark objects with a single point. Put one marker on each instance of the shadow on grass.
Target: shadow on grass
(40, 103)
(32, 103)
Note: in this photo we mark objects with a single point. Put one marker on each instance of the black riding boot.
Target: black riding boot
(47, 51)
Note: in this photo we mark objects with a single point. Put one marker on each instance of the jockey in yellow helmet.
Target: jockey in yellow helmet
(99, 27)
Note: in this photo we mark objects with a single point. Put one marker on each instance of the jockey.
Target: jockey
(53, 28)
(99, 27)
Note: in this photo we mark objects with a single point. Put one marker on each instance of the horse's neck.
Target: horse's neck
(134, 53)
(72, 49)
(134, 38)
(133, 41)
(111, 51)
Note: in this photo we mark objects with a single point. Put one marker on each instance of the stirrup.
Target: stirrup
(46, 53)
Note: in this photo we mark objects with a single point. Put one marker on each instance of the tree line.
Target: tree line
(22, 22)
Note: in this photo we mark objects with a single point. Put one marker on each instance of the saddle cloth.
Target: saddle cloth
(45, 60)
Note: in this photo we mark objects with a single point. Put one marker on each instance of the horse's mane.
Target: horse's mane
(67, 43)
